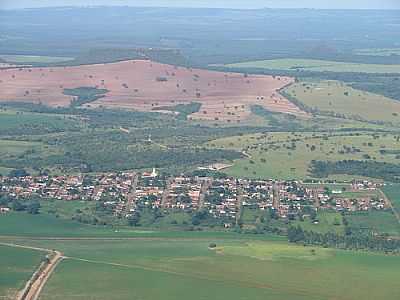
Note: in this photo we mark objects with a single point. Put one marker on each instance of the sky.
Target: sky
(329, 4)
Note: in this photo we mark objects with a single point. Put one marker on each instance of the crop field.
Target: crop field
(336, 97)
(315, 65)
(223, 96)
(48, 225)
(284, 155)
(16, 267)
(26, 59)
(239, 269)
(44, 225)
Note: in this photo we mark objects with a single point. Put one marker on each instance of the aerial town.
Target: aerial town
(221, 197)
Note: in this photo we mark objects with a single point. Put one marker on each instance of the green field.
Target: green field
(338, 98)
(285, 155)
(378, 51)
(16, 267)
(48, 225)
(315, 65)
(26, 59)
(180, 265)
(188, 269)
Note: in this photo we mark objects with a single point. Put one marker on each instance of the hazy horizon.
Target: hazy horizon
(251, 4)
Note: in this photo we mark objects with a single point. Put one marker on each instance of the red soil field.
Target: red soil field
(144, 85)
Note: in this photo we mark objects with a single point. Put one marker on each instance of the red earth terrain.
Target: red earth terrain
(145, 86)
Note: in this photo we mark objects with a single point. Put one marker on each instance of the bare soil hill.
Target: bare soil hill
(145, 85)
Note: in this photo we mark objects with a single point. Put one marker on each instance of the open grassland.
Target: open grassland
(16, 267)
(315, 65)
(27, 59)
(285, 155)
(338, 98)
(188, 269)
(378, 51)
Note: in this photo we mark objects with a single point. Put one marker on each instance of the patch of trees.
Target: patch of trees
(31, 206)
(116, 152)
(183, 110)
(351, 241)
(382, 170)
(285, 122)
(84, 95)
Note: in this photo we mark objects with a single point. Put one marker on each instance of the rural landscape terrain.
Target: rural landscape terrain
(187, 153)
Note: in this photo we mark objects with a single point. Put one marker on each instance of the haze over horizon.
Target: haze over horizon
(251, 4)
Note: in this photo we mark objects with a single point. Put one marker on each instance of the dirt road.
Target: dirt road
(35, 284)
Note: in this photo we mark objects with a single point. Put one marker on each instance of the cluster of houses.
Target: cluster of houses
(222, 197)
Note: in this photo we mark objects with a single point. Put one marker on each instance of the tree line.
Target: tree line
(349, 241)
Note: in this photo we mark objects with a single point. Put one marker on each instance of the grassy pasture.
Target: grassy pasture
(377, 221)
(15, 122)
(11, 150)
(326, 223)
(16, 267)
(285, 155)
(292, 64)
(10, 147)
(187, 269)
(392, 191)
(26, 59)
(65, 209)
(333, 96)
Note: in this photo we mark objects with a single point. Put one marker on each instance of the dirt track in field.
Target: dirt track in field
(144, 85)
